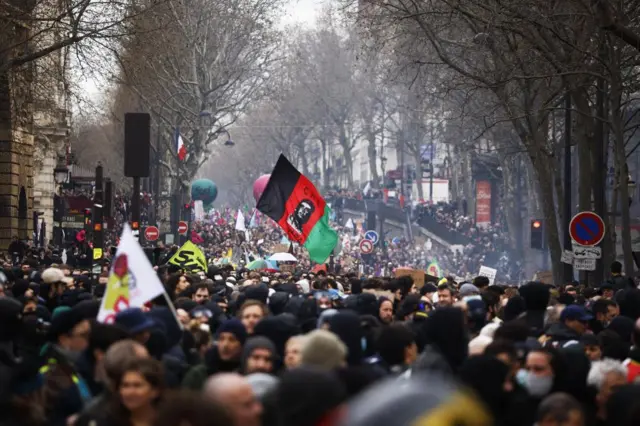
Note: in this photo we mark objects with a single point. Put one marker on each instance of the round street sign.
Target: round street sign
(587, 229)
(371, 236)
(183, 227)
(366, 246)
(151, 233)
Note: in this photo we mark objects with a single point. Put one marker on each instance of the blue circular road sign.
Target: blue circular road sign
(587, 229)
(372, 236)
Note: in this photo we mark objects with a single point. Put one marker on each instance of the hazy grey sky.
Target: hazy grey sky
(297, 12)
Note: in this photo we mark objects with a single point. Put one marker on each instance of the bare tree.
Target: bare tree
(199, 72)
(324, 67)
(32, 29)
(524, 55)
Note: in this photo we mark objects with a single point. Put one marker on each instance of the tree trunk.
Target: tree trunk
(544, 173)
(325, 166)
(558, 148)
(611, 225)
(419, 178)
(455, 177)
(469, 190)
(303, 158)
(621, 167)
(599, 167)
(584, 140)
(373, 156)
(346, 152)
(512, 207)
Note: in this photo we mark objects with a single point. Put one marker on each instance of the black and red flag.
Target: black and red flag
(291, 200)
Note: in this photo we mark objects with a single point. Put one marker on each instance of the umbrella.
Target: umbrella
(261, 264)
(283, 257)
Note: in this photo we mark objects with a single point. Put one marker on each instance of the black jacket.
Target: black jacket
(621, 282)
(560, 334)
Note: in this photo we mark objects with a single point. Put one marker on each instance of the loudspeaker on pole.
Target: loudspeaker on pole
(137, 135)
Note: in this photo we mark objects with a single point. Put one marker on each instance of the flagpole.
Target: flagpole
(173, 309)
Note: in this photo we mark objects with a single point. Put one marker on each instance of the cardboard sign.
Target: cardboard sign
(287, 268)
(545, 277)
(280, 248)
(416, 274)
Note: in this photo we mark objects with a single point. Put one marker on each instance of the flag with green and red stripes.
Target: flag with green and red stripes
(291, 200)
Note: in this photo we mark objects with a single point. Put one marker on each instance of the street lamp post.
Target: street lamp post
(631, 185)
(207, 115)
(60, 176)
(383, 164)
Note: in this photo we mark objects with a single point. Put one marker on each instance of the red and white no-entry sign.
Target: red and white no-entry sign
(183, 227)
(366, 246)
(151, 233)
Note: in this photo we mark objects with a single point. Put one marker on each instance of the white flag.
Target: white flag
(253, 223)
(132, 280)
(349, 224)
(198, 210)
(240, 221)
(367, 188)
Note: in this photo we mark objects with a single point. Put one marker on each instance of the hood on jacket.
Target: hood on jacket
(445, 329)
(346, 325)
(253, 343)
(559, 332)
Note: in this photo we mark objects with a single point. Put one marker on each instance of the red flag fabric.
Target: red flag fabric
(196, 238)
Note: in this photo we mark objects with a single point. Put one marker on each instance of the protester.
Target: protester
(234, 392)
(295, 343)
(560, 409)
(293, 351)
(140, 389)
(605, 376)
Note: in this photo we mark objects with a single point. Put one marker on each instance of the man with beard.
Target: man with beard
(258, 356)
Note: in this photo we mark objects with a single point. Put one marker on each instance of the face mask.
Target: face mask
(72, 356)
(538, 386)
(521, 377)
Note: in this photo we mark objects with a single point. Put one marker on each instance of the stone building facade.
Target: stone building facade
(16, 138)
(51, 128)
(34, 120)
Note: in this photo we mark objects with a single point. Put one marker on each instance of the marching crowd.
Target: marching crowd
(313, 347)
(491, 241)
(348, 343)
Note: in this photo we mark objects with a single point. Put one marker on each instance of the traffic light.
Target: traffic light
(537, 234)
(87, 217)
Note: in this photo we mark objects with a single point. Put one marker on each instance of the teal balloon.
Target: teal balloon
(204, 190)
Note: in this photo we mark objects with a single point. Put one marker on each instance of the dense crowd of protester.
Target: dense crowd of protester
(347, 343)
(487, 246)
(313, 347)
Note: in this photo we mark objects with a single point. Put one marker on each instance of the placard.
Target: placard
(417, 275)
(287, 268)
(490, 273)
(545, 277)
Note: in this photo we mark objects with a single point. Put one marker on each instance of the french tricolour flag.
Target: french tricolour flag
(180, 148)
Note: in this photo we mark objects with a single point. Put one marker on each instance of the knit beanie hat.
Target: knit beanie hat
(323, 349)
(235, 327)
